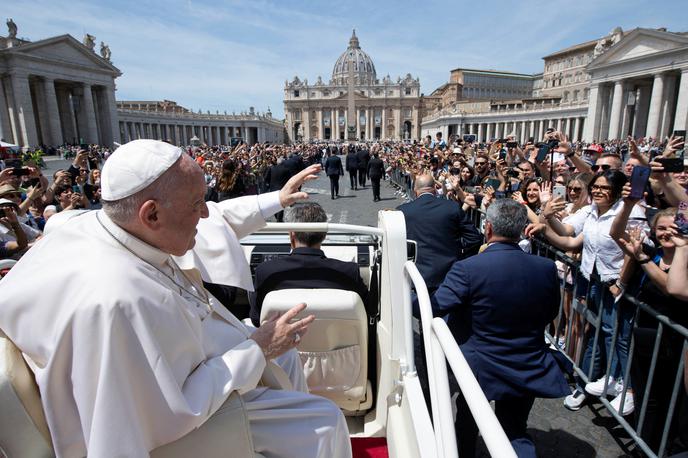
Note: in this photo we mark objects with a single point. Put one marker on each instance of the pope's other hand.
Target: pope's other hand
(278, 334)
(290, 194)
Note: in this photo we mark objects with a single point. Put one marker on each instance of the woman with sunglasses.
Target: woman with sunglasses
(602, 261)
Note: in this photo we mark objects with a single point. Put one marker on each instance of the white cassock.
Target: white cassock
(128, 356)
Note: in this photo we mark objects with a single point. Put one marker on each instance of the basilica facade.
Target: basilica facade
(354, 104)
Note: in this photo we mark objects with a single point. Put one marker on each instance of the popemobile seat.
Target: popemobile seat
(334, 351)
(24, 431)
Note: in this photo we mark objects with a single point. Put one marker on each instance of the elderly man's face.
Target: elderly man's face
(180, 218)
(628, 167)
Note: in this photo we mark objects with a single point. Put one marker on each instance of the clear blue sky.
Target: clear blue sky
(229, 55)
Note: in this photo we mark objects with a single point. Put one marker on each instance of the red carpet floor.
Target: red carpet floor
(369, 447)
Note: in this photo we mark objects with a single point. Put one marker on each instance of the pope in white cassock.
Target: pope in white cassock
(128, 349)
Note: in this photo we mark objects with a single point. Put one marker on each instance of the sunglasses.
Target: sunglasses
(575, 189)
(604, 167)
(481, 163)
(600, 187)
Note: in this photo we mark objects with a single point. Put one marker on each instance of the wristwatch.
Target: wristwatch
(571, 154)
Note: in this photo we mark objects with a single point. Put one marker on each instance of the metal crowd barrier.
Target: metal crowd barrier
(580, 320)
(440, 344)
(403, 182)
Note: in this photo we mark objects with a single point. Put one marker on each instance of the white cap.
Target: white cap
(135, 165)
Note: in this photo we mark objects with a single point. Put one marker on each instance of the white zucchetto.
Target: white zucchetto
(135, 165)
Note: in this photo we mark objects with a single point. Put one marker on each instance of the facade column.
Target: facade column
(667, 105)
(88, 113)
(5, 124)
(397, 120)
(591, 129)
(24, 109)
(383, 127)
(541, 130)
(488, 135)
(576, 130)
(531, 131)
(653, 118)
(681, 116)
(524, 133)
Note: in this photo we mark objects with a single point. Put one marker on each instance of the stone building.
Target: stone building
(354, 103)
(56, 90)
(165, 120)
(626, 83)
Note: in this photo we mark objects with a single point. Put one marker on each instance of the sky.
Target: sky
(230, 55)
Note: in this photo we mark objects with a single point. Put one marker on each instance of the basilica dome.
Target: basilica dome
(363, 67)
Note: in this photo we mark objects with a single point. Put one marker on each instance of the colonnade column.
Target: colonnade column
(576, 130)
(488, 134)
(54, 128)
(24, 110)
(5, 125)
(653, 118)
(590, 129)
(681, 116)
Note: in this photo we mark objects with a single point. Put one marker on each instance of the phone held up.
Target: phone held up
(559, 191)
(639, 179)
(681, 219)
(20, 171)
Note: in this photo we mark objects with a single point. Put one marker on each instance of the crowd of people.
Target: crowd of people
(618, 208)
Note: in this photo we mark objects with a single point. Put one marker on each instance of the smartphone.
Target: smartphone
(542, 153)
(75, 188)
(511, 144)
(639, 179)
(493, 182)
(681, 219)
(21, 171)
(469, 189)
(502, 154)
(559, 191)
(680, 133)
(670, 164)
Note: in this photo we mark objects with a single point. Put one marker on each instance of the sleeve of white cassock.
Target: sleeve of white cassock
(127, 390)
(248, 214)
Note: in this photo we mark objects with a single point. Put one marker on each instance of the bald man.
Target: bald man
(442, 230)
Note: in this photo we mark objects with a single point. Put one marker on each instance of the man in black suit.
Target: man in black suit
(333, 169)
(363, 158)
(306, 266)
(352, 167)
(441, 229)
(498, 305)
(275, 178)
(376, 170)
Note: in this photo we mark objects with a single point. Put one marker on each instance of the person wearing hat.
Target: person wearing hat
(136, 353)
(13, 239)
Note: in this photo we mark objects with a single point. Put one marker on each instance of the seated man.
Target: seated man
(130, 352)
(306, 266)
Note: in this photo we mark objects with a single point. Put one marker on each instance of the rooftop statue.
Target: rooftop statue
(89, 41)
(11, 29)
(105, 51)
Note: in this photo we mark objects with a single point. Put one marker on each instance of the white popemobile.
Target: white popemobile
(362, 360)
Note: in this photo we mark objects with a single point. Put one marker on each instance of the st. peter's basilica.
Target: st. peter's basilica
(354, 104)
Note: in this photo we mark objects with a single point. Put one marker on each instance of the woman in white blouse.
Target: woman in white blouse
(601, 258)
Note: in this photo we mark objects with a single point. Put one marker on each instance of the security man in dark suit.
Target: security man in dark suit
(376, 170)
(441, 229)
(333, 169)
(275, 178)
(306, 266)
(498, 305)
(352, 167)
(363, 158)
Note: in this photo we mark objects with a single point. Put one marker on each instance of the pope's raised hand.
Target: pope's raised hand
(290, 194)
